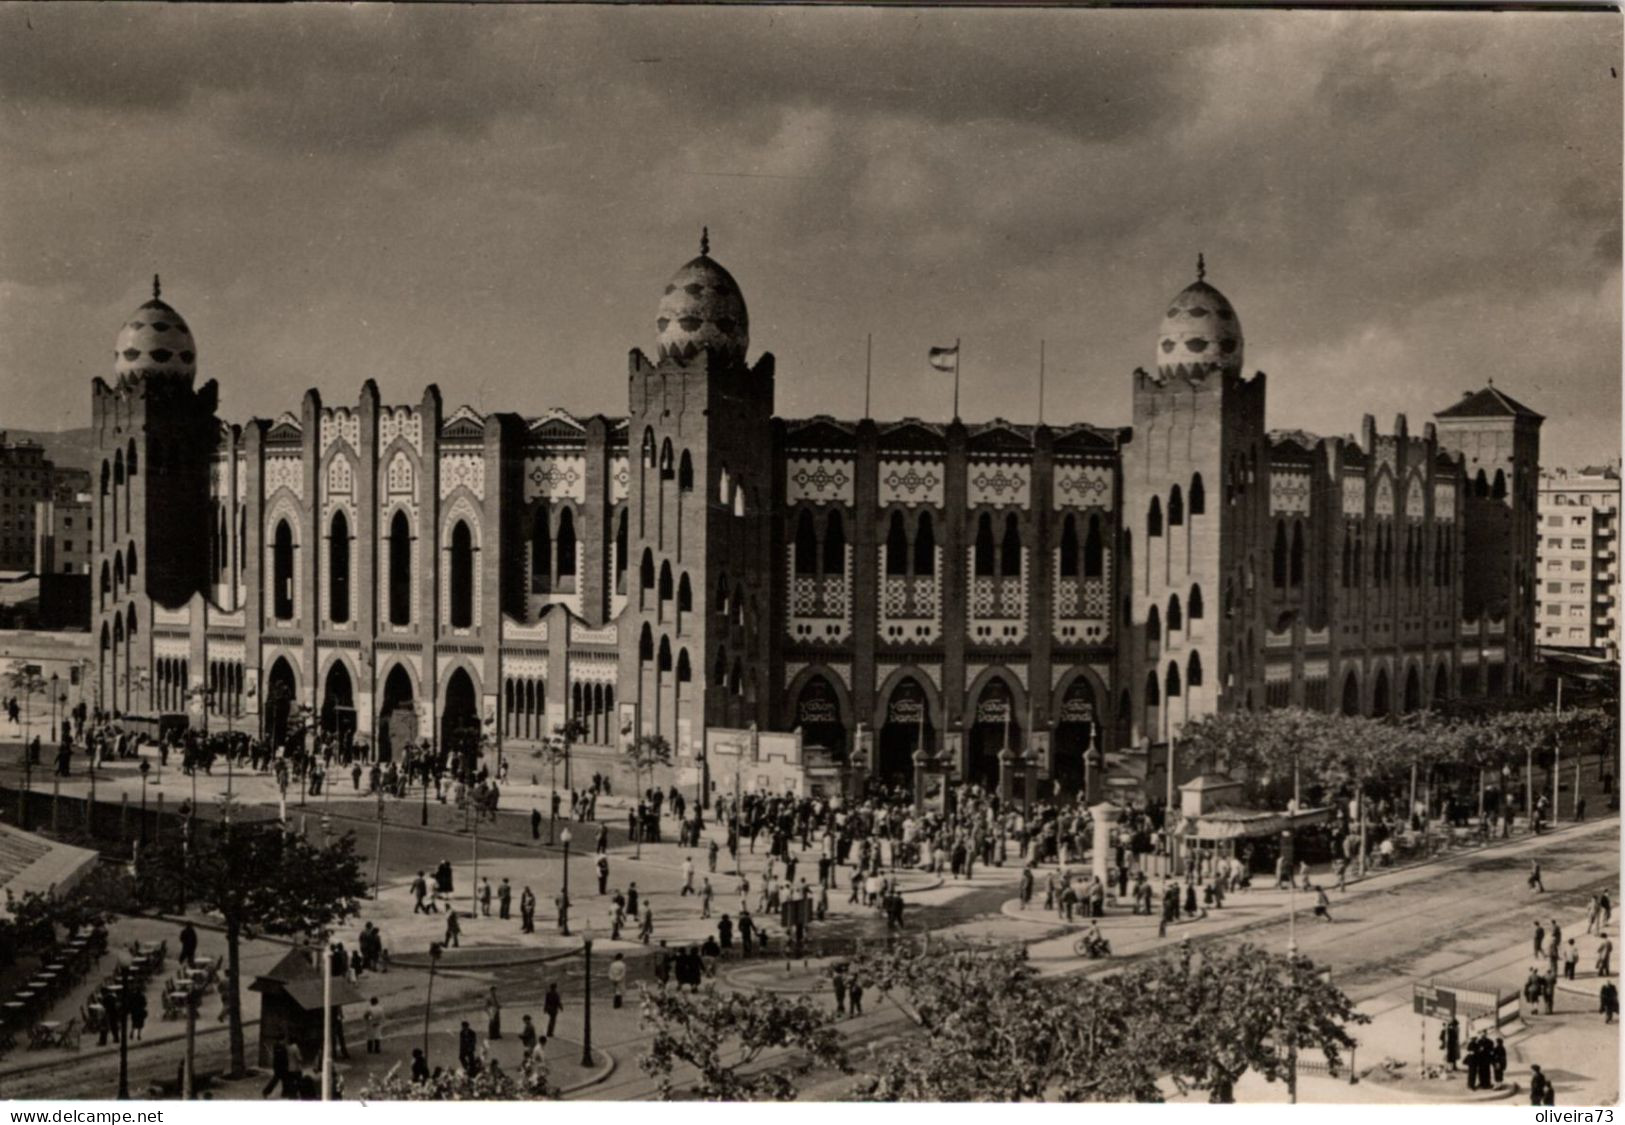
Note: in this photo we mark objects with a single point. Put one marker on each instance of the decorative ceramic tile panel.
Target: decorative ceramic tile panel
(562, 477)
(524, 667)
(399, 479)
(1383, 503)
(884, 669)
(462, 470)
(400, 422)
(1289, 493)
(819, 480)
(1019, 671)
(1415, 504)
(620, 479)
(340, 477)
(1278, 672)
(999, 483)
(1083, 486)
(1316, 669)
(1354, 497)
(1444, 502)
(285, 473)
(340, 425)
(911, 482)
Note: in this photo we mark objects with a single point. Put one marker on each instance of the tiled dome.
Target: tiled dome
(703, 307)
(1201, 331)
(155, 341)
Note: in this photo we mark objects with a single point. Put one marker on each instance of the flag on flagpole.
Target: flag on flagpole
(946, 359)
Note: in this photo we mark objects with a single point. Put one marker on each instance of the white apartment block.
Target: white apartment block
(1577, 581)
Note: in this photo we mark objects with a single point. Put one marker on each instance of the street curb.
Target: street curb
(420, 961)
(1410, 1089)
(597, 1078)
(27, 1069)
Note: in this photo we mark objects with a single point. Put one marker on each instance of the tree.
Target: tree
(259, 879)
(994, 1031)
(644, 753)
(491, 1084)
(25, 679)
(723, 1034)
(1220, 1014)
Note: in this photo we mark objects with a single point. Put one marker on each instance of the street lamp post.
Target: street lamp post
(145, 767)
(53, 706)
(435, 949)
(564, 893)
(124, 1034)
(586, 1001)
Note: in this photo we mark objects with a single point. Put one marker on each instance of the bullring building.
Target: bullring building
(696, 564)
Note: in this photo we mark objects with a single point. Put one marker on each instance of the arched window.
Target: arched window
(566, 549)
(1481, 485)
(1153, 517)
(400, 570)
(646, 570)
(620, 552)
(668, 462)
(722, 595)
(685, 595)
(896, 547)
(685, 673)
(1176, 619)
(1094, 550)
(719, 670)
(1278, 558)
(835, 546)
(130, 465)
(724, 486)
(1010, 549)
(1193, 605)
(665, 582)
(107, 475)
(1193, 670)
(1069, 546)
(685, 473)
(118, 468)
(1348, 558)
(664, 661)
(1176, 507)
(107, 582)
(646, 643)
(983, 554)
(1498, 491)
(129, 569)
(1173, 680)
(541, 552)
(1198, 497)
(1359, 556)
(737, 604)
(925, 548)
(1153, 626)
(118, 573)
(649, 448)
(338, 569)
(806, 551)
(282, 571)
(462, 576)
(1297, 554)
(1153, 695)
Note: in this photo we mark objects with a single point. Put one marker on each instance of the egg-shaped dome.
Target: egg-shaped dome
(703, 308)
(1201, 331)
(155, 341)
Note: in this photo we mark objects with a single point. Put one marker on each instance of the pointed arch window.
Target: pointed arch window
(806, 549)
(1173, 691)
(1153, 694)
(620, 552)
(668, 461)
(719, 670)
(282, 571)
(1193, 670)
(1153, 627)
(664, 662)
(896, 547)
(1279, 556)
(1198, 496)
(685, 473)
(649, 448)
(665, 582)
(835, 546)
(462, 576)
(541, 551)
(685, 595)
(1176, 618)
(1297, 554)
(1348, 558)
(983, 554)
(646, 644)
(400, 570)
(925, 548)
(722, 595)
(1193, 605)
(1176, 507)
(338, 569)
(1153, 517)
(1094, 550)
(1010, 549)
(646, 571)
(1069, 546)
(566, 549)
(1498, 491)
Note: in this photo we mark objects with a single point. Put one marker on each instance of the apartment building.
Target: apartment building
(1577, 599)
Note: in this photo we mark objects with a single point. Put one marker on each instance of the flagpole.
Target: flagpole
(956, 378)
(868, 370)
(1040, 382)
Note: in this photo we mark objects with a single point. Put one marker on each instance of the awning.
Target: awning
(1234, 822)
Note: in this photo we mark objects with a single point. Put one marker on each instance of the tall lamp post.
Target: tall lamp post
(564, 893)
(145, 768)
(53, 706)
(435, 949)
(586, 997)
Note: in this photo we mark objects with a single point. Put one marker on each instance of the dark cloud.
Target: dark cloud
(490, 197)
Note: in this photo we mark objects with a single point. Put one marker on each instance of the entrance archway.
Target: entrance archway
(1413, 690)
(280, 692)
(1379, 695)
(1351, 695)
(993, 727)
(1074, 729)
(460, 723)
(907, 728)
(338, 701)
(818, 714)
(397, 721)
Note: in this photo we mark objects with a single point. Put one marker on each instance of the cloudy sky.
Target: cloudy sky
(1401, 206)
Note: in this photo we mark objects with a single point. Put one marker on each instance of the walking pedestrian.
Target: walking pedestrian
(1540, 939)
(854, 994)
(454, 929)
(1605, 953)
(1571, 959)
(617, 980)
(552, 1005)
(1535, 881)
(372, 1018)
(504, 899)
(1540, 1088)
(493, 1015)
(1608, 1000)
(535, 824)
